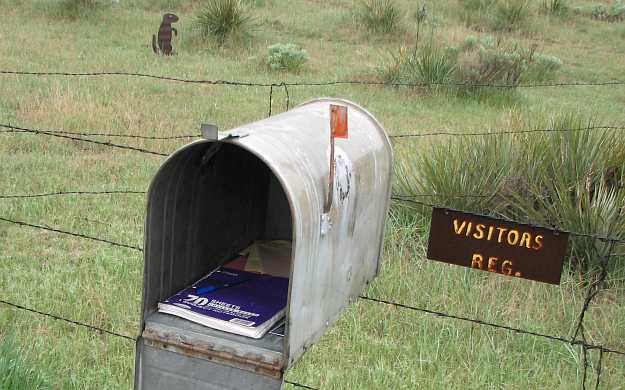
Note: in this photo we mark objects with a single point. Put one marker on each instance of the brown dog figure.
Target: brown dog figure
(164, 35)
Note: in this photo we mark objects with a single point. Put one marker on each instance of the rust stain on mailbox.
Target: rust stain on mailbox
(498, 246)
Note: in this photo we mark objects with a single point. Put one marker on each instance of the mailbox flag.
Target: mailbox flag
(338, 121)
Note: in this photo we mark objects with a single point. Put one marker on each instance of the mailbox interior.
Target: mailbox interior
(207, 203)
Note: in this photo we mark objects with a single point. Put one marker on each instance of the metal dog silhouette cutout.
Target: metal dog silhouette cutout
(165, 35)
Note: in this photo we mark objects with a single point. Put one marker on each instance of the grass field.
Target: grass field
(372, 346)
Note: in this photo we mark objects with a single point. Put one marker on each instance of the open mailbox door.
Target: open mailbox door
(267, 180)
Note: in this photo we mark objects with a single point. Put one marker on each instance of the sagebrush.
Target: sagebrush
(289, 57)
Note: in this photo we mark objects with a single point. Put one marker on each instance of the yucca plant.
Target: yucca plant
(467, 173)
(430, 65)
(555, 7)
(220, 19)
(572, 179)
(379, 15)
(433, 66)
(510, 14)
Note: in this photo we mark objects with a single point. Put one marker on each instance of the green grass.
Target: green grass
(15, 372)
(372, 346)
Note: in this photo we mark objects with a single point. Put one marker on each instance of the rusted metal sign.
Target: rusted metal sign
(493, 245)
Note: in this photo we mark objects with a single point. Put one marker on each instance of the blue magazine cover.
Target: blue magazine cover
(231, 300)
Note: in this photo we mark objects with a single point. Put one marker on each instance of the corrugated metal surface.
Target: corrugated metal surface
(263, 181)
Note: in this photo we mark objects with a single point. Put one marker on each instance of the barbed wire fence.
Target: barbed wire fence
(579, 336)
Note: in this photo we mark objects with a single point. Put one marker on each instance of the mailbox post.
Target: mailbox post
(262, 181)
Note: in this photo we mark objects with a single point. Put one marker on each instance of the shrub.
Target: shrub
(555, 7)
(613, 12)
(486, 61)
(491, 63)
(379, 15)
(428, 65)
(543, 67)
(510, 14)
(576, 184)
(462, 174)
(505, 15)
(470, 69)
(288, 57)
(573, 180)
(221, 19)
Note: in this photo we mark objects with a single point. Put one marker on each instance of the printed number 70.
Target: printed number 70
(196, 300)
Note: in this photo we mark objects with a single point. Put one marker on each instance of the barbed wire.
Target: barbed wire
(592, 291)
(102, 330)
(494, 132)
(499, 326)
(401, 198)
(64, 193)
(58, 135)
(300, 385)
(562, 230)
(116, 135)
(73, 322)
(79, 235)
(314, 83)
(489, 132)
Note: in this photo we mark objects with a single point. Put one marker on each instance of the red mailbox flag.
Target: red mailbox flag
(338, 121)
(338, 129)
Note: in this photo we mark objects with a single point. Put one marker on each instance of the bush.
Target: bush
(555, 7)
(504, 15)
(429, 65)
(543, 67)
(457, 172)
(612, 13)
(469, 70)
(381, 16)
(486, 62)
(489, 63)
(288, 57)
(220, 19)
(510, 14)
(573, 180)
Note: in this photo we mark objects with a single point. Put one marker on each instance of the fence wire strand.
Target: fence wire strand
(102, 330)
(499, 326)
(79, 235)
(320, 83)
(65, 136)
(495, 132)
(68, 193)
(73, 322)
(579, 335)
(114, 135)
(571, 232)
(300, 385)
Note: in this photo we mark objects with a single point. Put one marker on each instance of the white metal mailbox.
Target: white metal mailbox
(264, 180)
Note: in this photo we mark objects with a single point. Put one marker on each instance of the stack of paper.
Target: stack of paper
(247, 296)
